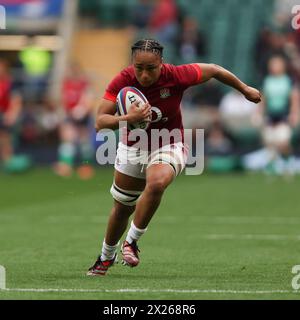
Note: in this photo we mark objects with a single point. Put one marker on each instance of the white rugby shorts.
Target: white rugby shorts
(134, 162)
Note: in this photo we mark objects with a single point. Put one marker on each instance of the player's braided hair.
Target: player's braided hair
(149, 45)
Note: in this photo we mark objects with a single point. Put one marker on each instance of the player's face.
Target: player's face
(147, 67)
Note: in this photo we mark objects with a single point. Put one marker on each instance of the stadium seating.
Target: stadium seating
(101, 62)
(88, 7)
(231, 26)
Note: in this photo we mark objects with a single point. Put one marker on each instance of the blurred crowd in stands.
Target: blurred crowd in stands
(238, 134)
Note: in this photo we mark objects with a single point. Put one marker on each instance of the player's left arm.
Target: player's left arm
(215, 71)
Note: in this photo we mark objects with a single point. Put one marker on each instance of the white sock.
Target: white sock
(134, 233)
(108, 252)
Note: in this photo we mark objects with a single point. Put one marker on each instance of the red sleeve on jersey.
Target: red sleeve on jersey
(188, 74)
(109, 96)
(199, 71)
(119, 82)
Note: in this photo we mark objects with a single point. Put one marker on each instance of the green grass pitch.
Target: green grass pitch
(213, 237)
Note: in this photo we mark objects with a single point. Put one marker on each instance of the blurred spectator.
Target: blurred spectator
(36, 63)
(268, 44)
(77, 99)
(29, 130)
(140, 14)
(200, 105)
(10, 109)
(49, 117)
(207, 95)
(236, 112)
(217, 142)
(191, 44)
(281, 108)
(262, 51)
(163, 23)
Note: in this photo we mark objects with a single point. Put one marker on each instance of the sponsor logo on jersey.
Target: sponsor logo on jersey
(157, 115)
(165, 93)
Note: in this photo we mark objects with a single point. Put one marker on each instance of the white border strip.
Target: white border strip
(149, 291)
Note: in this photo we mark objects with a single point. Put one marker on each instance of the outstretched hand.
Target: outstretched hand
(252, 94)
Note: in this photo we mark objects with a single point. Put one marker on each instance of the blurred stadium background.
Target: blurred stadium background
(54, 50)
(45, 38)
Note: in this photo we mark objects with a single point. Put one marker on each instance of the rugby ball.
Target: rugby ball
(125, 98)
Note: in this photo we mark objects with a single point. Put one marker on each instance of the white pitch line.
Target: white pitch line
(150, 291)
(272, 237)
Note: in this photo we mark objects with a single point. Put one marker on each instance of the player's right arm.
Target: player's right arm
(195, 73)
(223, 75)
(106, 117)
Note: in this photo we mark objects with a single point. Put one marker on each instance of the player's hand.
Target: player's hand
(252, 94)
(139, 113)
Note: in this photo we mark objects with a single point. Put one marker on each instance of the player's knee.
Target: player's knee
(157, 185)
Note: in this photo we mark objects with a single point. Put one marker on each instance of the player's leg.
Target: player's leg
(158, 177)
(165, 164)
(125, 191)
(66, 149)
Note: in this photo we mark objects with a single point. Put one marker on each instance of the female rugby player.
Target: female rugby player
(139, 188)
